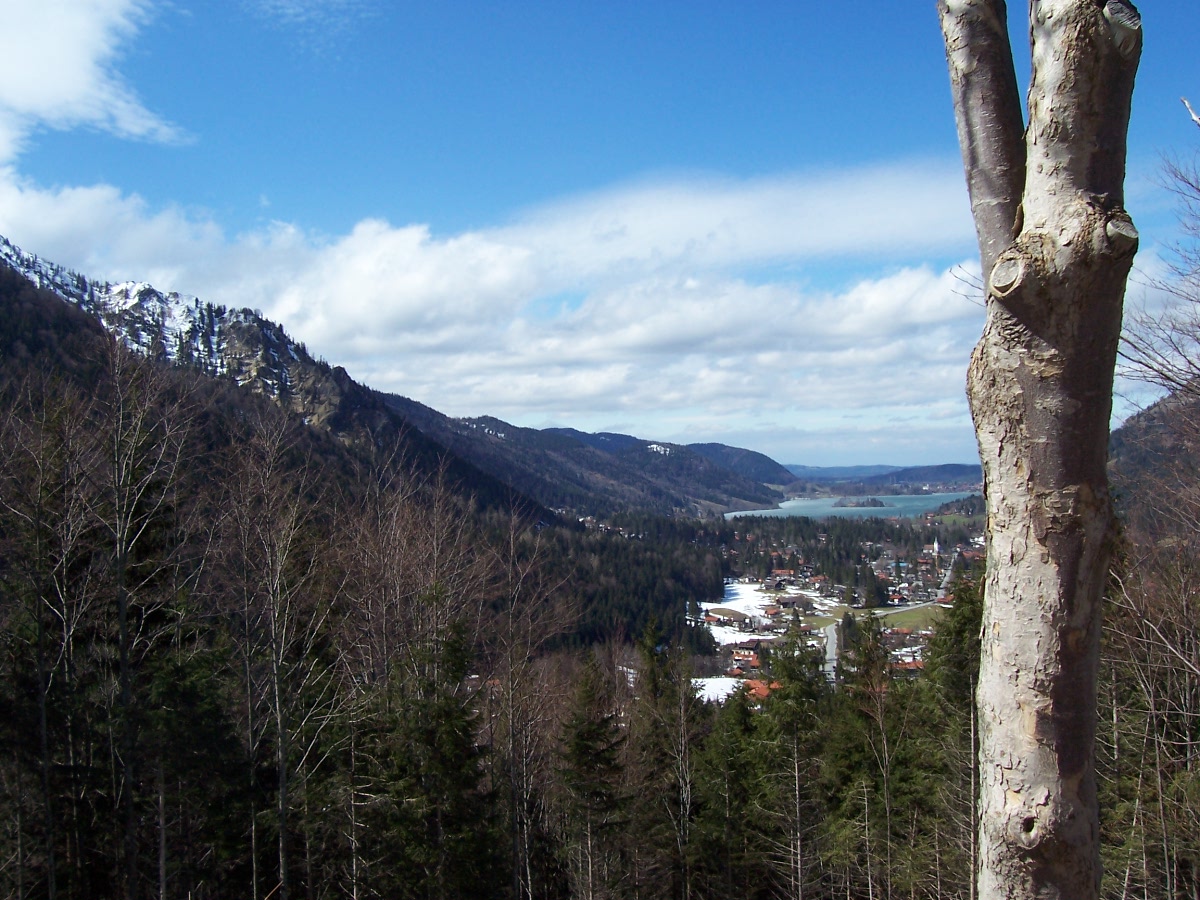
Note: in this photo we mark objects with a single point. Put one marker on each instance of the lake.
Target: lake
(905, 506)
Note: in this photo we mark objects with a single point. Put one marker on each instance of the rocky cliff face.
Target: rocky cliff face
(237, 343)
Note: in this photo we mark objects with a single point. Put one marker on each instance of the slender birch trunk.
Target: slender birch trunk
(1056, 247)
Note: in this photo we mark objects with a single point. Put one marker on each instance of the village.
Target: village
(756, 614)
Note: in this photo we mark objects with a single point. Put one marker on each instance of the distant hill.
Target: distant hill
(838, 473)
(596, 474)
(948, 474)
(607, 441)
(747, 463)
(1153, 458)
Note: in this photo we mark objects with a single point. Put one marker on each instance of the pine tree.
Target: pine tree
(732, 859)
(591, 772)
(791, 733)
(439, 839)
(667, 725)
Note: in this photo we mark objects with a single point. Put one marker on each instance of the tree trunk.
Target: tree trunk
(161, 789)
(1056, 248)
(282, 734)
(20, 823)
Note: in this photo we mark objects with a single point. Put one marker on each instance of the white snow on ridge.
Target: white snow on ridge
(150, 321)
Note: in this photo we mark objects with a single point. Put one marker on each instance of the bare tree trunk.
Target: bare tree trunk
(20, 823)
(354, 838)
(44, 746)
(798, 822)
(529, 617)
(161, 789)
(1056, 248)
(974, 798)
(250, 744)
(867, 838)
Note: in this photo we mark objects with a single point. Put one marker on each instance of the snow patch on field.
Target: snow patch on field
(717, 689)
(745, 599)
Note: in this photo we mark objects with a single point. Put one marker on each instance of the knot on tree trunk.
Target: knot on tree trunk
(1056, 282)
(1007, 274)
(1121, 233)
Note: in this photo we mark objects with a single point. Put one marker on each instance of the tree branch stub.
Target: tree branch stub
(1007, 274)
(1122, 235)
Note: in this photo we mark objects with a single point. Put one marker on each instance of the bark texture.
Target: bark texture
(1056, 247)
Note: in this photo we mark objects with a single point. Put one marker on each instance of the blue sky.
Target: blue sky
(691, 222)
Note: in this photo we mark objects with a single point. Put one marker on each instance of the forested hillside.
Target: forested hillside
(598, 474)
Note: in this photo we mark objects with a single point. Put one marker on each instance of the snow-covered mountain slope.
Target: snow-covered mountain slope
(239, 343)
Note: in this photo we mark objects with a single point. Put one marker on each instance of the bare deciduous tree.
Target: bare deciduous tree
(46, 456)
(274, 554)
(1154, 627)
(529, 614)
(142, 438)
(1056, 247)
(1162, 347)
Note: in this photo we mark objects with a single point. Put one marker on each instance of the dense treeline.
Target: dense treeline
(635, 569)
(835, 547)
(237, 660)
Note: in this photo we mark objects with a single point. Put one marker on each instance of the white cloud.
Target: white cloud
(680, 224)
(307, 12)
(401, 282)
(317, 25)
(57, 70)
(104, 233)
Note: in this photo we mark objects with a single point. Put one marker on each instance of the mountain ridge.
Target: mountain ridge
(561, 466)
(558, 471)
(255, 354)
(564, 469)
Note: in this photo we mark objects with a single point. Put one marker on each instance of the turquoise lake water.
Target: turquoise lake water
(904, 506)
